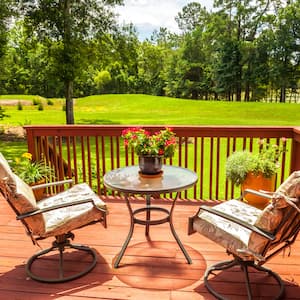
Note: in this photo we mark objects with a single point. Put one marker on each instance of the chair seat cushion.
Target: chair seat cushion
(62, 220)
(224, 232)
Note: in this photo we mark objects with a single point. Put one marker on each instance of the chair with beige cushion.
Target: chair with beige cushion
(56, 216)
(252, 236)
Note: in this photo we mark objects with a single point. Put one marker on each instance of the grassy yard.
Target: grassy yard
(145, 109)
(140, 110)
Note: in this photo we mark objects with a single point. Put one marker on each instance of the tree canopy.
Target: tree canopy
(67, 27)
(240, 51)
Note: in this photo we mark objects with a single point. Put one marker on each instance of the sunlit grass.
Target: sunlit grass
(145, 109)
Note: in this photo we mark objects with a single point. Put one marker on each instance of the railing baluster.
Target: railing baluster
(201, 167)
(195, 164)
(83, 158)
(217, 168)
(103, 156)
(98, 172)
(211, 166)
(75, 158)
(90, 171)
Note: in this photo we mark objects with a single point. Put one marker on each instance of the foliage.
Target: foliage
(3, 114)
(242, 51)
(67, 27)
(31, 171)
(160, 143)
(265, 162)
(20, 106)
(5, 13)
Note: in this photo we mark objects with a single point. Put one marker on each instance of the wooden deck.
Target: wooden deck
(150, 269)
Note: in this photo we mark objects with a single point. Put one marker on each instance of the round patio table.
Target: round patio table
(128, 181)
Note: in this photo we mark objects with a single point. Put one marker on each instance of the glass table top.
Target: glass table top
(128, 180)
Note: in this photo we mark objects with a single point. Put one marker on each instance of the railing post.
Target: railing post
(295, 157)
(30, 142)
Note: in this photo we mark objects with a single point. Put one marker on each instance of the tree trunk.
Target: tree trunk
(69, 102)
(247, 92)
(67, 54)
(282, 94)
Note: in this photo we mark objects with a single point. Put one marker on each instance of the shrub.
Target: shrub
(36, 101)
(20, 106)
(266, 162)
(3, 114)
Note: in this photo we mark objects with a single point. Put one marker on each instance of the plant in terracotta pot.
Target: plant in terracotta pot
(255, 170)
(151, 148)
(32, 172)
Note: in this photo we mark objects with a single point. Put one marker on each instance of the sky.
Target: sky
(148, 15)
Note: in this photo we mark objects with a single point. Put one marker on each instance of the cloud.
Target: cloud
(149, 15)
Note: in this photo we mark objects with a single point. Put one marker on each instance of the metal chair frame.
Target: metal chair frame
(61, 243)
(288, 238)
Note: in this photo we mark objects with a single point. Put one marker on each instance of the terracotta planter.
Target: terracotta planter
(258, 182)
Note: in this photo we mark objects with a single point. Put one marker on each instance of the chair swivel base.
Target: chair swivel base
(244, 267)
(60, 246)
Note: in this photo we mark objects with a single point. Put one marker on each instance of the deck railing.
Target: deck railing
(86, 153)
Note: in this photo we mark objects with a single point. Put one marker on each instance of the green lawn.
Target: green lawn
(140, 110)
(145, 109)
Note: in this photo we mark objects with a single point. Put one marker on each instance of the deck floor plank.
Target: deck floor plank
(153, 268)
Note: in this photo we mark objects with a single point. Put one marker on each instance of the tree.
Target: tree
(5, 14)
(245, 19)
(68, 26)
(228, 70)
(285, 54)
(191, 16)
(151, 61)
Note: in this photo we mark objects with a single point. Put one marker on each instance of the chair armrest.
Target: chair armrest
(233, 219)
(291, 201)
(260, 193)
(58, 206)
(55, 183)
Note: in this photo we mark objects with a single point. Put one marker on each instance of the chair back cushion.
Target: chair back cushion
(24, 201)
(279, 217)
(6, 172)
(289, 184)
(20, 197)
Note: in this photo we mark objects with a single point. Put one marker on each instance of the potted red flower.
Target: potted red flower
(151, 148)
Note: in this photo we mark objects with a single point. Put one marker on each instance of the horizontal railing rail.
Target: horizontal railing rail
(86, 152)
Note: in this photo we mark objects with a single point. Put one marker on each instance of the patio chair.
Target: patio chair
(252, 236)
(56, 216)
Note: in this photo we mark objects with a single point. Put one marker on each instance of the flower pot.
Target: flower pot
(258, 182)
(150, 165)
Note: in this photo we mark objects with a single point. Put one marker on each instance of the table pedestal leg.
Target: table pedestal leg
(189, 260)
(148, 216)
(148, 222)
